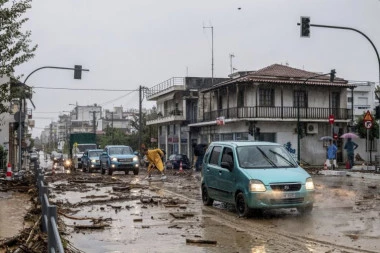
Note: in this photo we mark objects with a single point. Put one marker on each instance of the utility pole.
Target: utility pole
(94, 121)
(231, 67)
(140, 114)
(212, 52)
(112, 127)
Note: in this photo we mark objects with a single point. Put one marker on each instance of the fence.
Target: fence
(49, 214)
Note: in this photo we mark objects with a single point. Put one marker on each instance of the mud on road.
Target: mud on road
(127, 213)
(124, 213)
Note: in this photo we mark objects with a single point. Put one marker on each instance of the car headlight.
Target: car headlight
(135, 159)
(309, 184)
(114, 159)
(67, 162)
(256, 186)
(93, 160)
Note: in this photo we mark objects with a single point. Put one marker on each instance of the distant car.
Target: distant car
(255, 176)
(66, 161)
(174, 162)
(90, 160)
(119, 158)
(33, 156)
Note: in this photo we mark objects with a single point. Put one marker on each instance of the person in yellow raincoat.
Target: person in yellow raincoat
(154, 157)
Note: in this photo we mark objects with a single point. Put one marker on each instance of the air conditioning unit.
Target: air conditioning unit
(312, 128)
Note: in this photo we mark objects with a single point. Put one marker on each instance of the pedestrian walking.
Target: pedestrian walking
(200, 150)
(350, 146)
(331, 154)
(155, 158)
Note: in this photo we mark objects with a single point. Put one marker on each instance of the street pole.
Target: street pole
(76, 70)
(355, 30)
(298, 113)
(212, 52)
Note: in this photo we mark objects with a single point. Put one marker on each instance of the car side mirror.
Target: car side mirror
(136, 153)
(226, 165)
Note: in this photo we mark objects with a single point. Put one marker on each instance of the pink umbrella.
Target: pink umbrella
(349, 135)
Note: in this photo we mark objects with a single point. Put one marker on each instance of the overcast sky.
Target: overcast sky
(127, 43)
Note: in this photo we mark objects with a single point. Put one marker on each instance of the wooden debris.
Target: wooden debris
(121, 188)
(200, 241)
(98, 226)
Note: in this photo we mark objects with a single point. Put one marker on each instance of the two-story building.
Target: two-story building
(177, 107)
(277, 103)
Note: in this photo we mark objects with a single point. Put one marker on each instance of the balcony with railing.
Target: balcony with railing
(278, 112)
(167, 116)
(170, 85)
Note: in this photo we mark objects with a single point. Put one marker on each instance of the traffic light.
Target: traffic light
(305, 26)
(377, 112)
(332, 75)
(78, 72)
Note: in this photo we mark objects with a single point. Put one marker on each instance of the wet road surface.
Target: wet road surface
(163, 216)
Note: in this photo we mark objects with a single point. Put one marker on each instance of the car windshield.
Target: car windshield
(265, 156)
(120, 151)
(95, 153)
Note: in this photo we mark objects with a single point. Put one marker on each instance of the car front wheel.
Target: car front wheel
(305, 210)
(207, 201)
(110, 170)
(241, 206)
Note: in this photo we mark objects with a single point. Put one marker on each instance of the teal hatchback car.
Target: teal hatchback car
(255, 176)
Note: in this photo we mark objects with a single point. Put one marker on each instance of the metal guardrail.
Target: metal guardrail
(49, 215)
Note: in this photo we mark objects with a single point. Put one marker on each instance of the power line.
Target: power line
(53, 88)
(113, 100)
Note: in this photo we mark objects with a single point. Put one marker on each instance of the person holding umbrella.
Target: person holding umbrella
(331, 154)
(350, 146)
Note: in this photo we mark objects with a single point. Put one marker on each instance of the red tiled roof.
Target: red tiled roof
(282, 74)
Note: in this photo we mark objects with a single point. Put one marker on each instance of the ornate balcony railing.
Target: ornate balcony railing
(279, 113)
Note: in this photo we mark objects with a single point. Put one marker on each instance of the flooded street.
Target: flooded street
(125, 213)
(13, 207)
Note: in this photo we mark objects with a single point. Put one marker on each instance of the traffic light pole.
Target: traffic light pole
(355, 30)
(77, 68)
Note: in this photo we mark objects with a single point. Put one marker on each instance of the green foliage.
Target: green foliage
(114, 136)
(15, 46)
(362, 130)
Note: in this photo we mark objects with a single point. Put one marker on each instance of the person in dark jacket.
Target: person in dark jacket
(199, 152)
(350, 146)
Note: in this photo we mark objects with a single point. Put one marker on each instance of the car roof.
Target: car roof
(112, 146)
(244, 143)
(94, 149)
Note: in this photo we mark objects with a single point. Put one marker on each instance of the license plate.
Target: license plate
(289, 195)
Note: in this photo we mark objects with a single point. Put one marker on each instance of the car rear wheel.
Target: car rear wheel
(207, 201)
(241, 206)
(305, 210)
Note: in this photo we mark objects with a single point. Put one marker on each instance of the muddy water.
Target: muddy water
(13, 207)
(346, 213)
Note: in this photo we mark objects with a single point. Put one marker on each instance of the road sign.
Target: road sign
(331, 119)
(368, 117)
(368, 124)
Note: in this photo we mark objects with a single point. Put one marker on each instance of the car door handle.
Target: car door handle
(220, 172)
